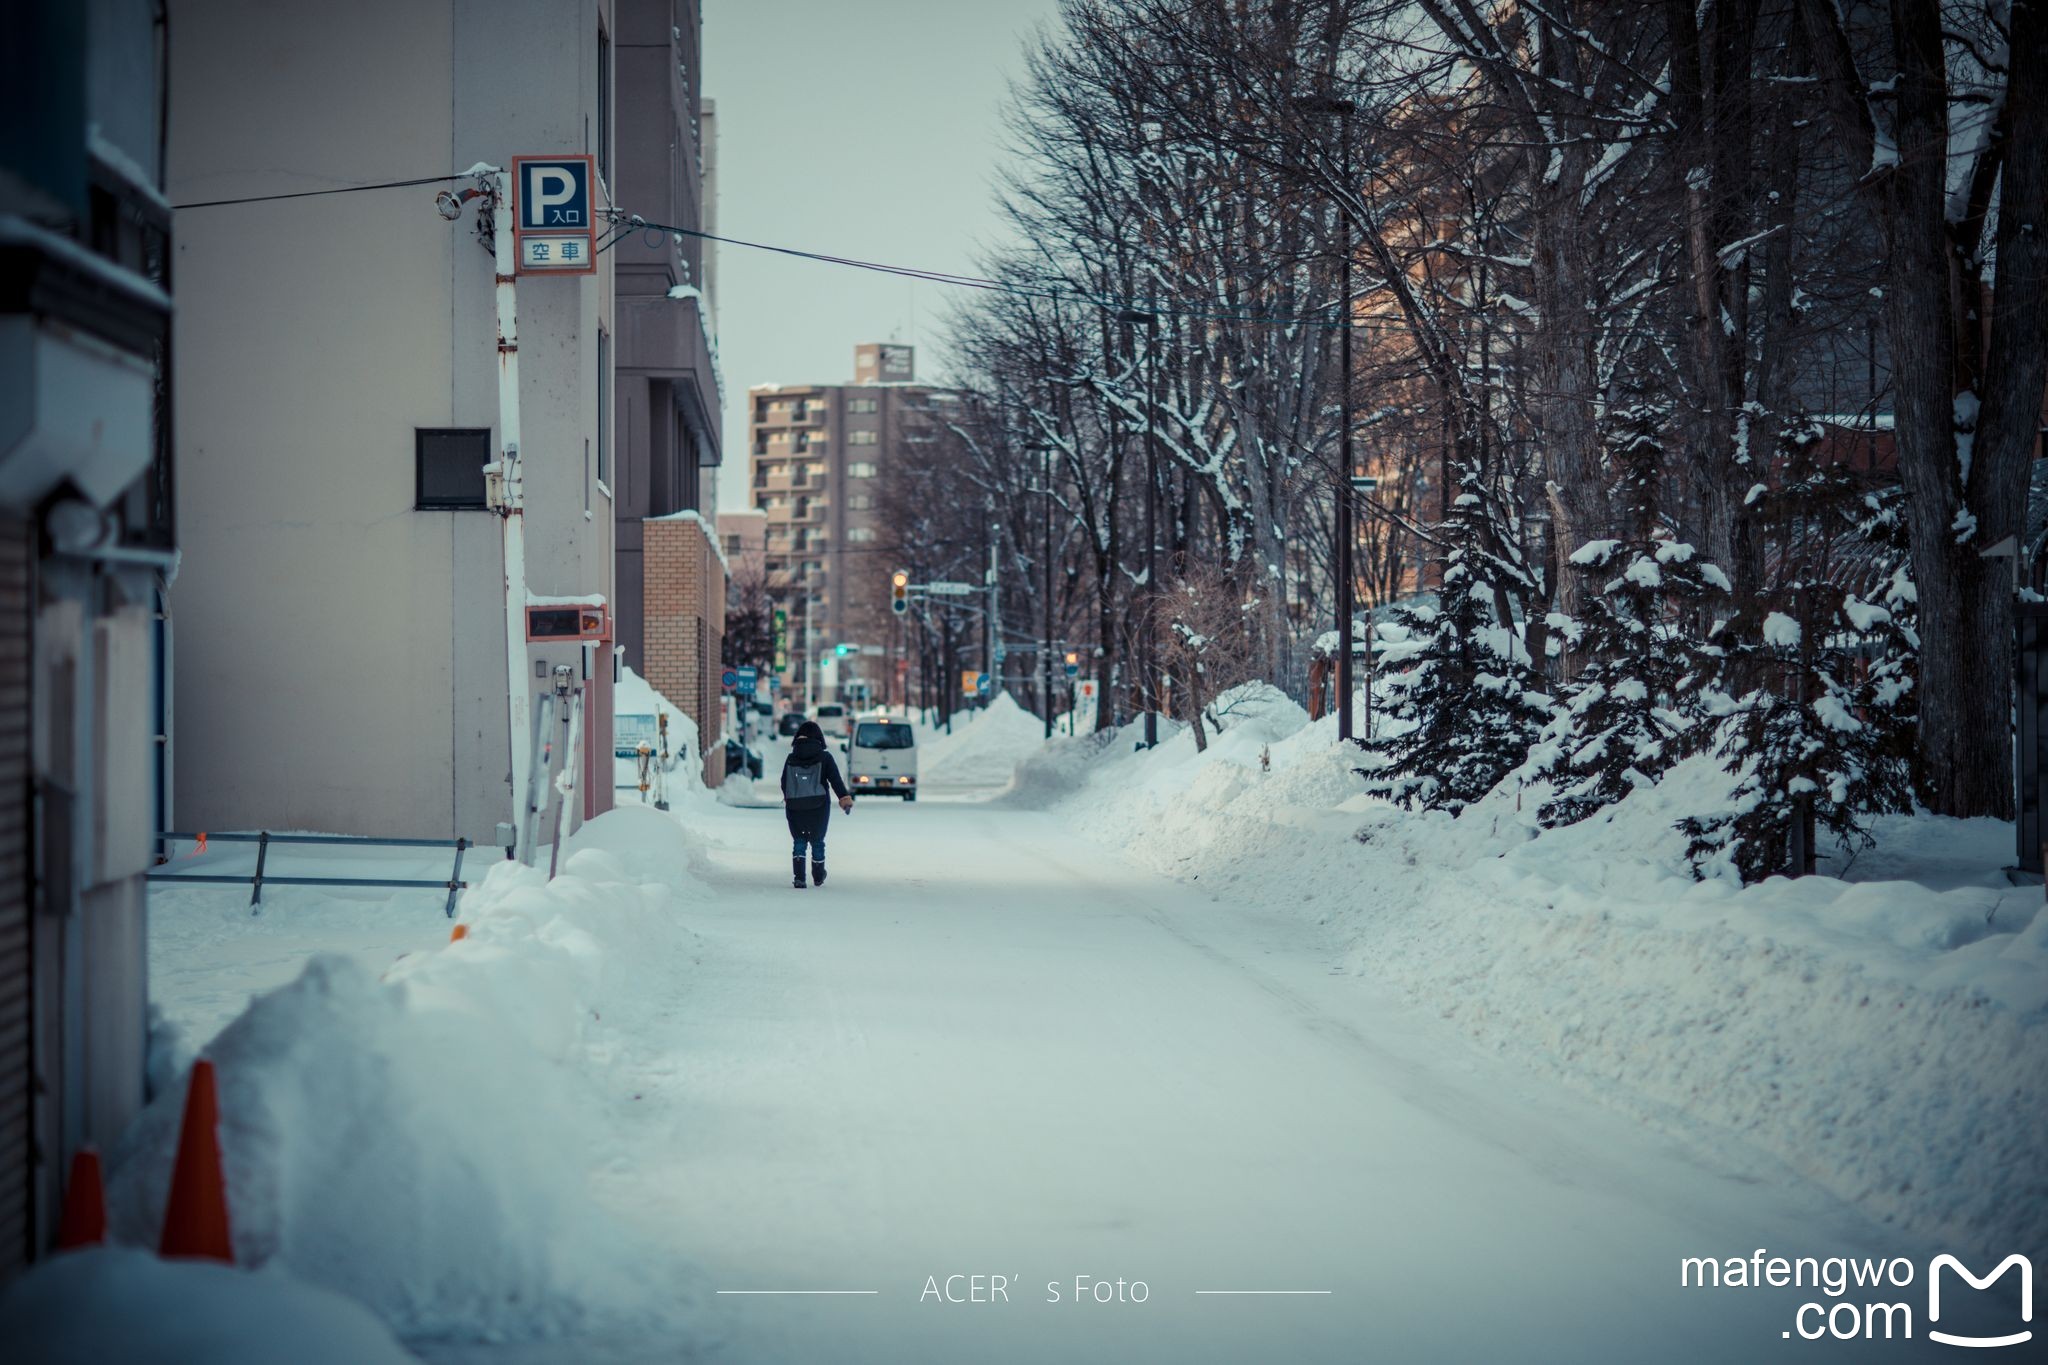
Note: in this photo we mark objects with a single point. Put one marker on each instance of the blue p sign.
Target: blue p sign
(554, 195)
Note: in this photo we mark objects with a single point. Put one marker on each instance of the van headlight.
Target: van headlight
(863, 780)
(905, 781)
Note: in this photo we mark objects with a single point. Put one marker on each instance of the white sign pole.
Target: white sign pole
(508, 489)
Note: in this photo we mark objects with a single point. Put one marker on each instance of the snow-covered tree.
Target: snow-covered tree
(1631, 713)
(1463, 705)
(1822, 736)
(1647, 603)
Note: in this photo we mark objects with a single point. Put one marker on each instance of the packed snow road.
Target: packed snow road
(986, 1050)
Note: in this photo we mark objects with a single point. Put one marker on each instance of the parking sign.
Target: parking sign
(554, 208)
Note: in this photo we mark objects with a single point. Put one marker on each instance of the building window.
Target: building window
(448, 467)
(860, 438)
(860, 502)
(860, 469)
(604, 105)
(862, 405)
(863, 534)
(604, 407)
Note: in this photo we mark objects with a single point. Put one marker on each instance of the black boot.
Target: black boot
(817, 872)
(796, 870)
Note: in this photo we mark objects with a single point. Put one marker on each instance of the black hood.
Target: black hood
(807, 748)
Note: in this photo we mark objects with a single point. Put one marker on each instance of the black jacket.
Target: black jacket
(807, 750)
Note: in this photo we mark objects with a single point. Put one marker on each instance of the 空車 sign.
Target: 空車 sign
(554, 214)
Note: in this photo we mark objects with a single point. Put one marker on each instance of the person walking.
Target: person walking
(810, 778)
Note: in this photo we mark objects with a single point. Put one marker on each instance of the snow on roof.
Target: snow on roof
(710, 533)
(116, 159)
(20, 230)
(591, 599)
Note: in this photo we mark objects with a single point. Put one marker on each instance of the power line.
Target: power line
(1053, 293)
(311, 194)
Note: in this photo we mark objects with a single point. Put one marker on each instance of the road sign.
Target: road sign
(773, 683)
(949, 589)
(747, 679)
(969, 685)
(728, 680)
(981, 684)
(554, 206)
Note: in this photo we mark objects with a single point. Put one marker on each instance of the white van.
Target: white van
(881, 757)
(831, 718)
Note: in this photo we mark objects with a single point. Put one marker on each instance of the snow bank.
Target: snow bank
(1879, 1031)
(433, 1142)
(115, 1303)
(984, 751)
(635, 696)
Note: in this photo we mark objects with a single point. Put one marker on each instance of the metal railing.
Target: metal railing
(263, 839)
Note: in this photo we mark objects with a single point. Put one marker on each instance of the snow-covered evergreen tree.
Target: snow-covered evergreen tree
(1462, 704)
(1645, 610)
(1823, 736)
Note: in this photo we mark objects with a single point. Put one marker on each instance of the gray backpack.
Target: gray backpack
(802, 781)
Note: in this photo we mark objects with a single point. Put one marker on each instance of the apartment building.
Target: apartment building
(342, 660)
(744, 533)
(86, 546)
(816, 455)
(670, 577)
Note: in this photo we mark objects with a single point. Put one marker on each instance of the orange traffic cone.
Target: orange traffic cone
(85, 1203)
(196, 1217)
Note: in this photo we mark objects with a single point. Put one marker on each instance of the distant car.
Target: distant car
(882, 758)
(832, 719)
(789, 724)
(738, 757)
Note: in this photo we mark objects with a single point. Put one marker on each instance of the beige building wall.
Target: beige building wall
(340, 661)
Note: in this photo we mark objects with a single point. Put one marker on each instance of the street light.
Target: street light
(1045, 654)
(1149, 320)
(1342, 109)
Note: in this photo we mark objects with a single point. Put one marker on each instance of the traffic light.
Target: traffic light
(899, 593)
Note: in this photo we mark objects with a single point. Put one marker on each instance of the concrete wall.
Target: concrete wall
(340, 663)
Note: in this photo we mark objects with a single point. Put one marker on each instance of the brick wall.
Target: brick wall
(683, 583)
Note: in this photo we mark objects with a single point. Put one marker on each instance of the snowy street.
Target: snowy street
(1115, 682)
(1081, 1016)
(987, 1049)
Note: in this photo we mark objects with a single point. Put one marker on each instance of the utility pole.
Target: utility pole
(1344, 532)
(1343, 109)
(1045, 655)
(505, 487)
(1149, 319)
(995, 609)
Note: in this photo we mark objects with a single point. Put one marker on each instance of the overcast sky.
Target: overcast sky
(862, 128)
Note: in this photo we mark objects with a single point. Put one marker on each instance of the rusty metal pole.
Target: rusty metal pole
(506, 493)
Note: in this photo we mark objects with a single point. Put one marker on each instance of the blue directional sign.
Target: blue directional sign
(981, 683)
(555, 213)
(747, 678)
